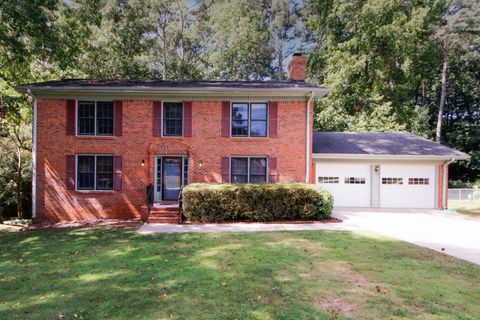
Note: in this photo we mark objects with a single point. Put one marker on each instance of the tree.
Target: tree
(15, 149)
(288, 33)
(237, 40)
(458, 34)
(375, 56)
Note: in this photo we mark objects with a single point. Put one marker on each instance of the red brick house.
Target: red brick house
(99, 143)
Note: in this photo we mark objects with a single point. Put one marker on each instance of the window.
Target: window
(354, 180)
(172, 119)
(94, 172)
(248, 170)
(392, 180)
(95, 118)
(327, 179)
(249, 119)
(419, 181)
(185, 171)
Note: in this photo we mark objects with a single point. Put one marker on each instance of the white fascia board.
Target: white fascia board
(320, 92)
(386, 157)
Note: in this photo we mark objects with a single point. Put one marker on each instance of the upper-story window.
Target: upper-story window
(95, 118)
(249, 119)
(172, 119)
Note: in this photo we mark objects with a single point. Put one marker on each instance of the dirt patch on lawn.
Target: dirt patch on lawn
(334, 305)
(348, 290)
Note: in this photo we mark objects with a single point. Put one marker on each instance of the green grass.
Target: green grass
(116, 273)
(471, 208)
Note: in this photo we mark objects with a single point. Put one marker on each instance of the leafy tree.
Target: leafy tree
(375, 56)
(238, 40)
(15, 151)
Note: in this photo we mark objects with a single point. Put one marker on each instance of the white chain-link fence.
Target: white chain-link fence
(472, 194)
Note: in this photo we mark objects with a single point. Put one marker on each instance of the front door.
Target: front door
(171, 177)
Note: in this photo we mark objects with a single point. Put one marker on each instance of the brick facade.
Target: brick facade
(137, 143)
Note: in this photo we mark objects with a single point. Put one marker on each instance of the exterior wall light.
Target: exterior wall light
(143, 163)
(200, 163)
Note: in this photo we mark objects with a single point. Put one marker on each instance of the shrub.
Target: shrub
(255, 202)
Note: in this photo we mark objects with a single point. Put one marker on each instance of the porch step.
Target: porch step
(164, 213)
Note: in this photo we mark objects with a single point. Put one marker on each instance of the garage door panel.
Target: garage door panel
(416, 190)
(349, 183)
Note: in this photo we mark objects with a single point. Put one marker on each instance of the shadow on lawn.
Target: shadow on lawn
(97, 273)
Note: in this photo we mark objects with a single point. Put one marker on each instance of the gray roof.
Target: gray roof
(380, 143)
(119, 83)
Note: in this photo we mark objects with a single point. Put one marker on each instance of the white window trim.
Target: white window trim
(248, 166)
(94, 172)
(249, 118)
(95, 117)
(183, 120)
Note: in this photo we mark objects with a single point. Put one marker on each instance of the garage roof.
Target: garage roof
(380, 144)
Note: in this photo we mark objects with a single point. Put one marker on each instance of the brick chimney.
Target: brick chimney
(296, 67)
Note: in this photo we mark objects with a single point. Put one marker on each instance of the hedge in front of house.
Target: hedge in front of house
(255, 202)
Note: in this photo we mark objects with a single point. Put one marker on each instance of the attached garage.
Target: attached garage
(387, 170)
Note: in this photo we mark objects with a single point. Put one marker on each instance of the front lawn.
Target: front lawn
(116, 273)
(470, 207)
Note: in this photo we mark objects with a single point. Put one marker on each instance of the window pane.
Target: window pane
(239, 178)
(185, 171)
(239, 170)
(258, 170)
(258, 128)
(259, 111)
(86, 118)
(172, 119)
(104, 118)
(104, 172)
(86, 172)
(240, 166)
(240, 119)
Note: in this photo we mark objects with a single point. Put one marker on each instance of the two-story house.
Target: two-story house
(99, 143)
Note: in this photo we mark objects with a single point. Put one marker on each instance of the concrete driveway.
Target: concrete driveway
(444, 231)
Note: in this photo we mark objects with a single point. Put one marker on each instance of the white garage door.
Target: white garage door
(348, 183)
(407, 186)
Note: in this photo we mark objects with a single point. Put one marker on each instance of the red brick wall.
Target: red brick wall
(441, 185)
(55, 202)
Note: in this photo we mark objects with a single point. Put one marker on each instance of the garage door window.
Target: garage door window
(392, 180)
(418, 181)
(354, 180)
(328, 179)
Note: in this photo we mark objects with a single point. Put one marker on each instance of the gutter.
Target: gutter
(307, 143)
(320, 91)
(340, 156)
(34, 155)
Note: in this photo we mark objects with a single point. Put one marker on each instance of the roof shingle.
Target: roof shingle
(379, 143)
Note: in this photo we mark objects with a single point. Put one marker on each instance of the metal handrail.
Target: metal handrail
(149, 198)
(180, 202)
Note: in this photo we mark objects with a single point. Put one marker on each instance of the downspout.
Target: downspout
(445, 183)
(34, 155)
(307, 169)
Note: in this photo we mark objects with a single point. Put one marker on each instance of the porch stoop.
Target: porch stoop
(163, 212)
